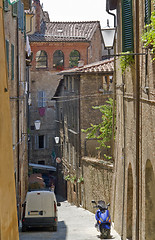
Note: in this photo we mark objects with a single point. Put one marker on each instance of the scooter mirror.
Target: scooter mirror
(108, 204)
(93, 201)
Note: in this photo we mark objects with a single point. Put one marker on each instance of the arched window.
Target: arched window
(58, 60)
(74, 57)
(41, 59)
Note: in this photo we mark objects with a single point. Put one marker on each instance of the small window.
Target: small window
(74, 58)
(42, 162)
(41, 59)
(58, 60)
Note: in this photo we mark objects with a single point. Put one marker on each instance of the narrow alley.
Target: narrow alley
(73, 223)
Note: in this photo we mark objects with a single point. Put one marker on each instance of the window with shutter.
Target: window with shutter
(41, 99)
(127, 26)
(6, 5)
(7, 54)
(12, 61)
(15, 9)
(147, 11)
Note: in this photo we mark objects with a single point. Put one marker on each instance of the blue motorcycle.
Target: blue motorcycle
(103, 219)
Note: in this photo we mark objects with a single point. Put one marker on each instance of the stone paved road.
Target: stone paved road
(73, 224)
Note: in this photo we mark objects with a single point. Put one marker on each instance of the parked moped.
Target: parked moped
(103, 219)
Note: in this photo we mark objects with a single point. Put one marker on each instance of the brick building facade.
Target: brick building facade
(55, 46)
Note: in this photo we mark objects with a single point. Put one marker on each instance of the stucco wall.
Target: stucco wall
(8, 210)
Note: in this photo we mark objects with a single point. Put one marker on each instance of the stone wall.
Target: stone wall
(97, 185)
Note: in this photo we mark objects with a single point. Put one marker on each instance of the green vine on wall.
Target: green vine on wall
(126, 60)
(148, 36)
(103, 131)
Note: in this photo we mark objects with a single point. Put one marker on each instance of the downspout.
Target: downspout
(107, 10)
(124, 159)
(137, 119)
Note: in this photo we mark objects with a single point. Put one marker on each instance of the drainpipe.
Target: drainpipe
(124, 159)
(137, 118)
(107, 10)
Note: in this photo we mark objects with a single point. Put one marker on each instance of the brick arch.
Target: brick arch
(129, 202)
(74, 57)
(41, 59)
(58, 59)
(149, 201)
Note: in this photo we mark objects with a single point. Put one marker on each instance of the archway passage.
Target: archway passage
(149, 202)
(129, 203)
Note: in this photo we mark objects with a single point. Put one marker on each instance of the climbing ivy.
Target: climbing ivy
(126, 60)
(103, 131)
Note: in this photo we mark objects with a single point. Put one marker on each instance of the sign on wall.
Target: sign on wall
(11, 2)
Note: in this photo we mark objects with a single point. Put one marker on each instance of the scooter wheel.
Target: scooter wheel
(105, 233)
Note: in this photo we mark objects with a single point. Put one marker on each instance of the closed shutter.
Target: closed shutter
(12, 62)
(6, 5)
(22, 17)
(40, 99)
(127, 26)
(36, 142)
(7, 54)
(14, 9)
(44, 99)
(147, 11)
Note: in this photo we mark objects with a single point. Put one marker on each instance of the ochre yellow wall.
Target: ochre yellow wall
(8, 210)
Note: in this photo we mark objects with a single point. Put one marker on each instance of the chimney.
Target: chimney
(38, 13)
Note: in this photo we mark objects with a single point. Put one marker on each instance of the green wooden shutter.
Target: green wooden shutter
(6, 5)
(19, 14)
(147, 11)
(7, 54)
(12, 61)
(14, 9)
(127, 26)
(22, 17)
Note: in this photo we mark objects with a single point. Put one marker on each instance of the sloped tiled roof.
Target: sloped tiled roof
(65, 31)
(105, 66)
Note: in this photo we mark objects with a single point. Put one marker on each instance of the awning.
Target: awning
(44, 167)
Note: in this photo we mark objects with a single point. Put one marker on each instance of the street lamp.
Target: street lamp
(108, 35)
(56, 140)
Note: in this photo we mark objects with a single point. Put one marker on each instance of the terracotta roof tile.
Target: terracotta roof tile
(105, 66)
(65, 31)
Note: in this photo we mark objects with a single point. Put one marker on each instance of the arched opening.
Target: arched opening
(149, 202)
(74, 57)
(129, 203)
(41, 59)
(58, 60)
